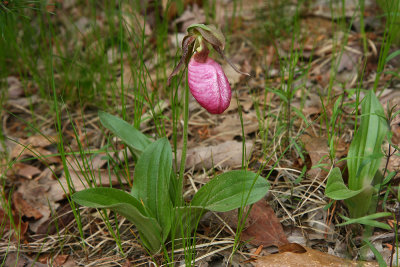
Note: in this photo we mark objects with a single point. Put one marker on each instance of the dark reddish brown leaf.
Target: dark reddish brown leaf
(264, 227)
(24, 208)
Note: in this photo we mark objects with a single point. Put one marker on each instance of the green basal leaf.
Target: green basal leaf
(367, 142)
(335, 187)
(129, 134)
(231, 190)
(152, 180)
(126, 205)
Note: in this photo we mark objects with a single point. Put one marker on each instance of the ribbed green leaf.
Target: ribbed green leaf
(128, 134)
(367, 142)
(231, 190)
(335, 187)
(152, 180)
(127, 206)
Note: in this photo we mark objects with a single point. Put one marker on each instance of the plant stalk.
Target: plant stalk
(185, 136)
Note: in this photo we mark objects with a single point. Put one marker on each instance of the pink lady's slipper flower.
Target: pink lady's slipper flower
(207, 81)
(209, 85)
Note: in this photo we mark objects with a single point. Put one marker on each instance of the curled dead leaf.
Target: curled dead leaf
(24, 208)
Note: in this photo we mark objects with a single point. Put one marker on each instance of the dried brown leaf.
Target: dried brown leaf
(192, 14)
(231, 127)
(21, 260)
(298, 256)
(24, 208)
(15, 89)
(227, 154)
(77, 177)
(24, 170)
(22, 103)
(317, 148)
(232, 75)
(264, 227)
(36, 147)
(37, 194)
(40, 140)
(59, 260)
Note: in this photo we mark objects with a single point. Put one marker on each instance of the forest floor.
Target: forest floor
(311, 63)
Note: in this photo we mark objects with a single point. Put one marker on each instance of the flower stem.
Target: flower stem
(185, 136)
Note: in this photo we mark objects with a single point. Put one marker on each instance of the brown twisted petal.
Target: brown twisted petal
(187, 51)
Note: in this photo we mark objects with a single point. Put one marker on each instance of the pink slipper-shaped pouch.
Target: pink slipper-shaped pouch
(209, 85)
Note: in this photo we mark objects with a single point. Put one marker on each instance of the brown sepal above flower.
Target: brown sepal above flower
(187, 52)
(199, 35)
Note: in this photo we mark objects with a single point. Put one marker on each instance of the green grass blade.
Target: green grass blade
(369, 220)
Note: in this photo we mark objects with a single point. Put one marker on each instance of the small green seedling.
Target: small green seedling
(152, 205)
(363, 161)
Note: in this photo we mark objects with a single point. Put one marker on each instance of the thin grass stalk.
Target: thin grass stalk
(61, 142)
(185, 136)
(392, 8)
